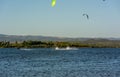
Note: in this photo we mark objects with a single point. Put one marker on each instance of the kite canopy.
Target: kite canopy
(53, 3)
(86, 16)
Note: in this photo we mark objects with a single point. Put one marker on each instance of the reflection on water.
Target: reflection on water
(85, 62)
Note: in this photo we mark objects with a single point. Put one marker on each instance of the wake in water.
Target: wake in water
(67, 48)
(26, 49)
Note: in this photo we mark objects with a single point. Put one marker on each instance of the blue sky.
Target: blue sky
(37, 17)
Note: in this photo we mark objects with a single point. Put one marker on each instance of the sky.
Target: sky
(38, 17)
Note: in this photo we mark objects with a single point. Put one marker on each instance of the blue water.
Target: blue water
(85, 62)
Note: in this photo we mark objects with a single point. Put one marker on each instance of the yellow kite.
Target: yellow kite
(53, 3)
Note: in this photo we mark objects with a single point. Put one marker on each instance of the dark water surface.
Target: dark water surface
(85, 62)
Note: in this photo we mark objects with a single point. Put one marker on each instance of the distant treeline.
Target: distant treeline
(51, 44)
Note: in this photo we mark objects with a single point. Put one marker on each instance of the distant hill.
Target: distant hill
(13, 38)
(2, 35)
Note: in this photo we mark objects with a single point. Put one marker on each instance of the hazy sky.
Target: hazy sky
(37, 17)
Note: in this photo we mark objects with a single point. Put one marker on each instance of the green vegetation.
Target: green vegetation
(50, 44)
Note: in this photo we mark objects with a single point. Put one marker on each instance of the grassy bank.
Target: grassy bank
(49, 44)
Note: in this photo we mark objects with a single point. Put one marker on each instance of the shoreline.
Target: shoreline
(60, 44)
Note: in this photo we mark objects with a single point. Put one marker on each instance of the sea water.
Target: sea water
(47, 62)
